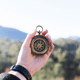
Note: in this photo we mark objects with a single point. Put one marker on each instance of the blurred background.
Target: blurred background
(62, 19)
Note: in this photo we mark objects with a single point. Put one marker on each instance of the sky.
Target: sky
(60, 17)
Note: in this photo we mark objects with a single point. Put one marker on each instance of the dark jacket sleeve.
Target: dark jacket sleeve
(6, 76)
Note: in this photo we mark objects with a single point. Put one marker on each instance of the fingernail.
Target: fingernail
(49, 36)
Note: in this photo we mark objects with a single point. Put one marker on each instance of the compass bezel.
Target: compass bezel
(42, 38)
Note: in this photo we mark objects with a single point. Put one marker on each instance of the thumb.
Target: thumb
(29, 37)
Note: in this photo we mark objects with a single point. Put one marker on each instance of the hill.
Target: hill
(12, 34)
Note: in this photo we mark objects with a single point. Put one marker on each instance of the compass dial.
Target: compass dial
(39, 45)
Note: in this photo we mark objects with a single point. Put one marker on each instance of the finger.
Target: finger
(50, 50)
(48, 36)
(44, 32)
(30, 36)
(49, 39)
(51, 46)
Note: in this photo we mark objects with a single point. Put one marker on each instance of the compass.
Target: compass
(39, 44)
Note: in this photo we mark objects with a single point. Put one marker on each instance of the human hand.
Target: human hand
(33, 62)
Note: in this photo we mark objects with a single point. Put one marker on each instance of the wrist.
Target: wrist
(20, 69)
(29, 68)
(17, 74)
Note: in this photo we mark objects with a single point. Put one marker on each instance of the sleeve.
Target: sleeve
(6, 76)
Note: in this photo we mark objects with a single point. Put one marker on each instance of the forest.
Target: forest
(63, 64)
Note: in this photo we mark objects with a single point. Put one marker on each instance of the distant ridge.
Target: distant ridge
(12, 34)
(75, 38)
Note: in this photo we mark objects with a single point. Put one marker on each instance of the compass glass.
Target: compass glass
(39, 45)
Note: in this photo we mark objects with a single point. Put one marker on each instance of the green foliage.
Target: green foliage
(58, 70)
(77, 56)
(63, 62)
(8, 52)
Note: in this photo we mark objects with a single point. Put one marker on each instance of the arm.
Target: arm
(29, 61)
(6, 76)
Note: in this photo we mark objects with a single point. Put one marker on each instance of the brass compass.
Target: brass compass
(39, 44)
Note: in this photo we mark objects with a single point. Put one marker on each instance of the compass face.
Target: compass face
(39, 45)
